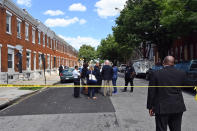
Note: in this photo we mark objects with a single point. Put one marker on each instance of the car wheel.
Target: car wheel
(61, 81)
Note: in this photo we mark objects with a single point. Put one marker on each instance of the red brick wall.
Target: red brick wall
(13, 40)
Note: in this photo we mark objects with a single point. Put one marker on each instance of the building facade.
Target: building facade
(25, 43)
(183, 49)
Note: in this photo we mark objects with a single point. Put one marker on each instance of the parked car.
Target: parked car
(122, 68)
(67, 75)
(142, 66)
(190, 67)
(151, 70)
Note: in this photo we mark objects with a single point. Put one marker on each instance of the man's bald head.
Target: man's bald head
(168, 60)
(107, 62)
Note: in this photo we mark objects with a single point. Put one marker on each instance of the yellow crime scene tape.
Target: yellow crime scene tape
(51, 86)
(196, 93)
(71, 86)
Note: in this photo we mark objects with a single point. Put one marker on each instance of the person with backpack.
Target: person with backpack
(129, 76)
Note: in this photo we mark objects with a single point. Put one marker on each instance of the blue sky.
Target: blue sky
(77, 21)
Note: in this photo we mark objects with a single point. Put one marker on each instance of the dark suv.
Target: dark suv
(151, 70)
(190, 67)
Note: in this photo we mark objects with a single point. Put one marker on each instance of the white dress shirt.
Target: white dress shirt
(76, 74)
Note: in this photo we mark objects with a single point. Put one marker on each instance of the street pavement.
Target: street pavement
(55, 109)
(10, 94)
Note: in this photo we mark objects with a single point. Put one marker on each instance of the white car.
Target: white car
(122, 67)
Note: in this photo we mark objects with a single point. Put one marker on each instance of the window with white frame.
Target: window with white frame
(53, 46)
(8, 22)
(26, 31)
(19, 28)
(51, 43)
(51, 62)
(0, 56)
(34, 61)
(33, 35)
(48, 62)
(47, 41)
(28, 60)
(10, 59)
(43, 39)
(38, 37)
(40, 61)
(54, 62)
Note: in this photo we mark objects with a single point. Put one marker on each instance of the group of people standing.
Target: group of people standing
(165, 100)
(93, 77)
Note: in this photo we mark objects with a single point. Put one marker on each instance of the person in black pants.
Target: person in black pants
(165, 100)
(76, 76)
(83, 77)
(98, 77)
(92, 81)
(129, 76)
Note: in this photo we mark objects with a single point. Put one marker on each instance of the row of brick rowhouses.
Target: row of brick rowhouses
(25, 41)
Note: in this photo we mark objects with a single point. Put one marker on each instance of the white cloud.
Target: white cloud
(61, 22)
(53, 12)
(77, 7)
(77, 42)
(106, 8)
(82, 21)
(24, 2)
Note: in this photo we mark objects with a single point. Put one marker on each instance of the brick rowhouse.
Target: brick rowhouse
(21, 34)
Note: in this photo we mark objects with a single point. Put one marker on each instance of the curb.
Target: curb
(3, 106)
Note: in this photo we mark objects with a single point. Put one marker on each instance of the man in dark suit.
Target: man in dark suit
(166, 103)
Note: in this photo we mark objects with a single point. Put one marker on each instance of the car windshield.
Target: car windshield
(69, 70)
(194, 65)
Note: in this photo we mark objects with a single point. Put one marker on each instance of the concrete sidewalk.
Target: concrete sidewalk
(132, 114)
(10, 94)
(50, 80)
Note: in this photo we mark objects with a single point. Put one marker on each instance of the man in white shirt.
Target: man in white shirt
(76, 76)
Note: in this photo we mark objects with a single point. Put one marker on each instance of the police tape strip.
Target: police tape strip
(51, 86)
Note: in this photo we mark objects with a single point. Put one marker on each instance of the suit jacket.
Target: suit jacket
(107, 72)
(129, 73)
(166, 100)
(97, 70)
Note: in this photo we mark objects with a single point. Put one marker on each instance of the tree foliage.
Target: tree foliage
(155, 21)
(111, 50)
(87, 53)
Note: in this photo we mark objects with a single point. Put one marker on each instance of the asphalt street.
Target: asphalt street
(55, 109)
(57, 101)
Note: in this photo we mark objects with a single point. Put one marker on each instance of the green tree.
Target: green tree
(87, 53)
(111, 50)
(155, 21)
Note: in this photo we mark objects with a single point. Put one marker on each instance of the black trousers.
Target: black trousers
(98, 88)
(172, 120)
(127, 81)
(76, 89)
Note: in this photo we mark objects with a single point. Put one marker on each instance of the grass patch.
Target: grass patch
(30, 88)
